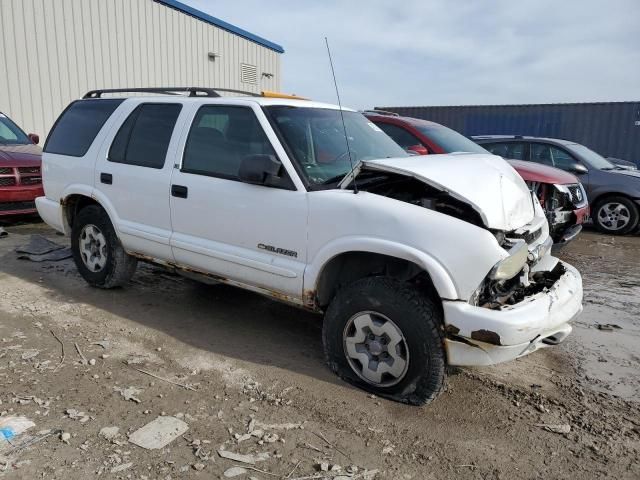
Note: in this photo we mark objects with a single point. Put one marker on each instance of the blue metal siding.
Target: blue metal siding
(220, 23)
(607, 128)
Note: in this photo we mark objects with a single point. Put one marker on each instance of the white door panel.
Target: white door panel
(232, 229)
(138, 196)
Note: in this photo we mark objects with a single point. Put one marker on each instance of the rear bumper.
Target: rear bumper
(52, 213)
(481, 336)
(19, 200)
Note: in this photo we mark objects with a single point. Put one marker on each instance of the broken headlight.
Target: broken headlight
(510, 266)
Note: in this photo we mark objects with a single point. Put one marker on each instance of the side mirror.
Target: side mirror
(417, 150)
(35, 138)
(579, 168)
(258, 169)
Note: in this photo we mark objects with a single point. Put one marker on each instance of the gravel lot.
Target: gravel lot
(246, 375)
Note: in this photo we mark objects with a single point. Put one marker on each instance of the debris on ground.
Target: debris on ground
(129, 393)
(3, 233)
(234, 472)
(158, 433)
(562, 428)
(10, 428)
(608, 327)
(41, 249)
(109, 433)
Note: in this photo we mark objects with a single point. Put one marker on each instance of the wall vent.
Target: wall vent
(248, 73)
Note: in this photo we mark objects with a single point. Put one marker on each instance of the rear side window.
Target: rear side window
(399, 135)
(77, 127)
(508, 150)
(143, 139)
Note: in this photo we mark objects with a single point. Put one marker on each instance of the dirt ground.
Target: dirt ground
(243, 357)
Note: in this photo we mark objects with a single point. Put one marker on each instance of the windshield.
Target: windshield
(315, 139)
(593, 159)
(450, 140)
(10, 133)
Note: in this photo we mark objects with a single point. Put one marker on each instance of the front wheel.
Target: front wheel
(385, 336)
(616, 215)
(97, 251)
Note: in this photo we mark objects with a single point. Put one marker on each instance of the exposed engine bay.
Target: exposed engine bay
(497, 294)
(558, 202)
(410, 190)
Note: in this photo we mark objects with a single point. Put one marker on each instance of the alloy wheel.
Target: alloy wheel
(614, 216)
(93, 248)
(376, 349)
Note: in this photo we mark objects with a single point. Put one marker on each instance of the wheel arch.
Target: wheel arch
(75, 201)
(334, 268)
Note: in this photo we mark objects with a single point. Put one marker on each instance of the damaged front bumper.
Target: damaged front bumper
(482, 336)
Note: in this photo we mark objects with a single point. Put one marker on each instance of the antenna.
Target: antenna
(344, 126)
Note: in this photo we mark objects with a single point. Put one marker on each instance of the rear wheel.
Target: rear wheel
(616, 215)
(97, 251)
(384, 336)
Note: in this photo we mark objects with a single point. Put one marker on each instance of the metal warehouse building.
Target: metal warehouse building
(611, 129)
(54, 51)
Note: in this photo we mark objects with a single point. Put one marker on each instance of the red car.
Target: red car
(560, 193)
(20, 177)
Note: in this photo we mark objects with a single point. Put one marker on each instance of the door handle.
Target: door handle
(106, 178)
(179, 191)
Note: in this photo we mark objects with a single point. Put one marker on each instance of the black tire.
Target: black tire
(414, 314)
(630, 206)
(119, 266)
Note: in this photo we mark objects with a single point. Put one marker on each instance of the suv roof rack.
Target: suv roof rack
(382, 112)
(192, 91)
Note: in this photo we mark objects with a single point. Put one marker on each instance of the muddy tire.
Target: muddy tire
(97, 251)
(616, 215)
(385, 337)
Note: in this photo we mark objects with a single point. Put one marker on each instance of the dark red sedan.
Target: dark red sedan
(560, 193)
(20, 177)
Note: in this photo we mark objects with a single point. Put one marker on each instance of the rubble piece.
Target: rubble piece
(102, 343)
(158, 433)
(561, 428)
(74, 414)
(65, 437)
(84, 359)
(198, 466)
(278, 426)
(270, 437)
(3, 233)
(11, 427)
(129, 393)
(62, 354)
(234, 472)
(29, 354)
(122, 467)
(236, 457)
(608, 327)
(109, 433)
(188, 387)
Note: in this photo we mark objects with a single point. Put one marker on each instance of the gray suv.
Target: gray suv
(613, 191)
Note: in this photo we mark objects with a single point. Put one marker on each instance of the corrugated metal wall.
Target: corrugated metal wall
(611, 129)
(52, 52)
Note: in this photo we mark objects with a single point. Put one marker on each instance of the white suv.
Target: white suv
(416, 262)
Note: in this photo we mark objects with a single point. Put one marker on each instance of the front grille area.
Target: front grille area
(7, 206)
(7, 181)
(577, 196)
(528, 237)
(30, 181)
(23, 170)
(6, 171)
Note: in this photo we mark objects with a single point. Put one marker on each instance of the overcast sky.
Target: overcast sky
(443, 52)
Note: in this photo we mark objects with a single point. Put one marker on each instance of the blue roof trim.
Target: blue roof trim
(220, 23)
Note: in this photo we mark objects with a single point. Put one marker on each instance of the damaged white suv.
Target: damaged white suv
(416, 263)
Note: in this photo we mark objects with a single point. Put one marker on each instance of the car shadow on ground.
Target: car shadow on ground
(219, 318)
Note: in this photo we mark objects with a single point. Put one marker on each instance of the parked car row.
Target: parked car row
(613, 191)
(415, 262)
(561, 194)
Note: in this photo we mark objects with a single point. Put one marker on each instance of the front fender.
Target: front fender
(440, 277)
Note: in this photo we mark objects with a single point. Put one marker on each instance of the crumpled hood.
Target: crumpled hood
(486, 182)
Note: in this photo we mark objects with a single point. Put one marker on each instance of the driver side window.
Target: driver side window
(220, 137)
